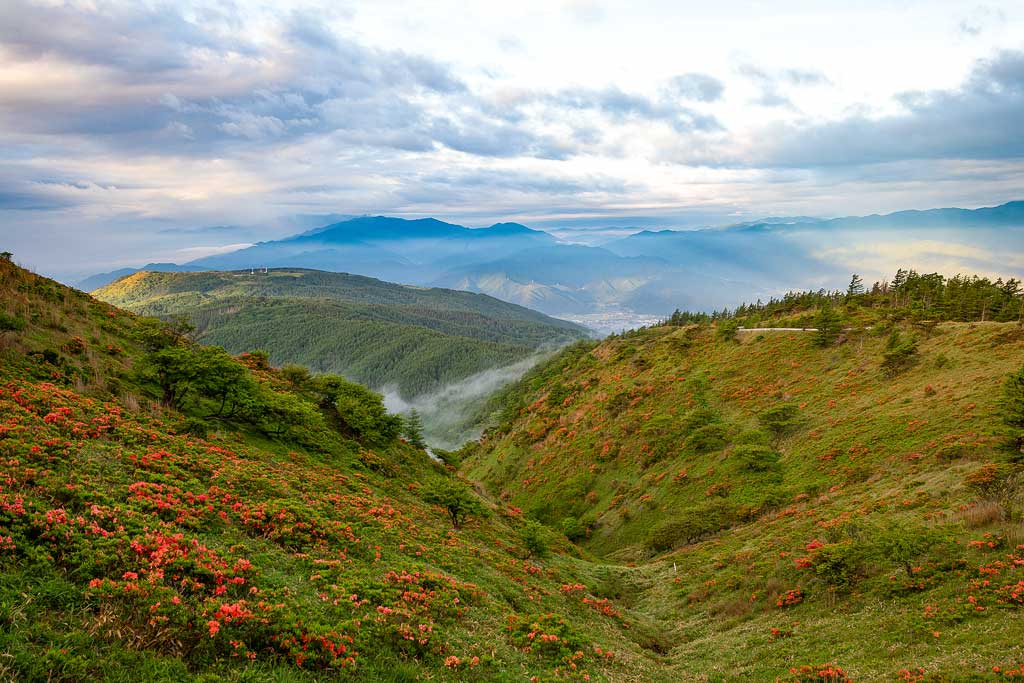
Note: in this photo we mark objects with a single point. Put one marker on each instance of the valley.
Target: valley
(675, 503)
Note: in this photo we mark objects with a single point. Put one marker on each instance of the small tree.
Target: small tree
(856, 286)
(1013, 408)
(534, 538)
(296, 375)
(360, 412)
(780, 419)
(904, 544)
(727, 329)
(224, 380)
(456, 498)
(829, 325)
(899, 353)
(6, 256)
(174, 369)
(413, 428)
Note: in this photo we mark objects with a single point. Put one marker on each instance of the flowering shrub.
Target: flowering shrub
(790, 598)
(139, 518)
(822, 673)
(551, 638)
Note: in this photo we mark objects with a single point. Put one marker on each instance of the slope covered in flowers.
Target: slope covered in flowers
(131, 549)
(786, 507)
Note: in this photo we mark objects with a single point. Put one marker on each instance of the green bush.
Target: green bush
(534, 538)
(840, 565)
(10, 323)
(710, 437)
(780, 419)
(573, 529)
(456, 498)
(756, 458)
(754, 437)
(1013, 409)
(900, 353)
(691, 526)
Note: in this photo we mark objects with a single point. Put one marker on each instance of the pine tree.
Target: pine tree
(829, 325)
(414, 429)
(856, 286)
(1013, 406)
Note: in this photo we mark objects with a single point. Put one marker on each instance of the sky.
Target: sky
(136, 132)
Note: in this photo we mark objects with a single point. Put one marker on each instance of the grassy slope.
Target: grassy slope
(124, 538)
(375, 332)
(600, 434)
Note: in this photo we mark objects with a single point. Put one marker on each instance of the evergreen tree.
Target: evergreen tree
(414, 429)
(829, 325)
(1013, 406)
(899, 353)
(727, 329)
(856, 286)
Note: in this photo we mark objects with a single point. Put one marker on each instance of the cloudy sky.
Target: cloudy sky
(133, 132)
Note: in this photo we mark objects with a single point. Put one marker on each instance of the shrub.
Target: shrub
(10, 323)
(781, 418)
(534, 538)
(840, 565)
(726, 330)
(710, 437)
(699, 417)
(573, 529)
(296, 375)
(456, 498)
(756, 458)
(903, 544)
(754, 437)
(900, 353)
(1013, 409)
(692, 525)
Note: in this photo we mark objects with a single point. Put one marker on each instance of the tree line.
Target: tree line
(908, 295)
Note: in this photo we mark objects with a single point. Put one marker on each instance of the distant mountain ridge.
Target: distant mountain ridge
(649, 272)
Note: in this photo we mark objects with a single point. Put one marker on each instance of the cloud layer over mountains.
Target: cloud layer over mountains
(124, 124)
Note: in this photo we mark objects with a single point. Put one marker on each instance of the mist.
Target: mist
(449, 413)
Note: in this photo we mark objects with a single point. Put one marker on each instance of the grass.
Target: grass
(866, 452)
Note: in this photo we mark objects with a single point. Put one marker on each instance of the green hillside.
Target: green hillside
(742, 506)
(254, 525)
(788, 500)
(378, 333)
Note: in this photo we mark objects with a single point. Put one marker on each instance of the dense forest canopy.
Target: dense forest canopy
(413, 339)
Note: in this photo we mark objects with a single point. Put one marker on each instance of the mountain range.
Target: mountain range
(646, 273)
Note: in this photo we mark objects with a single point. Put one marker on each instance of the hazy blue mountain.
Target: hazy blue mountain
(649, 272)
(412, 251)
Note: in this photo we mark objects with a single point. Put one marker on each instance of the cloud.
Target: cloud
(192, 253)
(620, 106)
(584, 11)
(981, 19)
(979, 120)
(771, 83)
(694, 86)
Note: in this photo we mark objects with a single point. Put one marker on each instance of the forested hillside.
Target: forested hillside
(381, 334)
(169, 513)
(852, 496)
